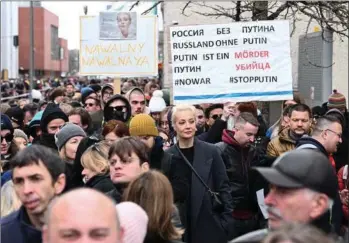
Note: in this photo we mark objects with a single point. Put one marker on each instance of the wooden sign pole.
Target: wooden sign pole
(117, 86)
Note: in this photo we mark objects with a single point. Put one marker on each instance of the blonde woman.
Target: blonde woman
(9, 200)
(152, 191)
(96, 168)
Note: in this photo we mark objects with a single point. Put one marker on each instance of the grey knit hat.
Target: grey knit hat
(68, 131)
(18, 133)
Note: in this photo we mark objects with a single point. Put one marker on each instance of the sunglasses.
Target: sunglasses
(8, 137)
(214, 117)
(118, 108)
(89, 104)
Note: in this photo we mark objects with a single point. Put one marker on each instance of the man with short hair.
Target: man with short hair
(239, 156)
(212, 113)
(303, 187)
(92, 104)
(38, 176)
(128, 158)
(70, 89)
(299, 125)
(82, 215)
(326, 136)
(137, 100)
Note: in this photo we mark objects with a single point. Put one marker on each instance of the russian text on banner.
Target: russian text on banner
(238, 62)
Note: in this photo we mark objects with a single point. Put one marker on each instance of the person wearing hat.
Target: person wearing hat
(87, 92)
(20, 139)
(67, 141)
(144, 127)
(106, 93)
(6, 138)
(157, 105)
(303, 186)
(16, 115)
(117, 108)
(53, 118)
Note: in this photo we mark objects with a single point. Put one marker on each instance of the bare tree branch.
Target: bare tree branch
(155, 5)
(134, 5)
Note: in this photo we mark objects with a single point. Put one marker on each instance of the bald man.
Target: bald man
(82, 215)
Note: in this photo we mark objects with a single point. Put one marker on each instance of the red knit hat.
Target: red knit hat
(336, 100)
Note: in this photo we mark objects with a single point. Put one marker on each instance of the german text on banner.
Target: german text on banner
(245, 61)
(118, 44)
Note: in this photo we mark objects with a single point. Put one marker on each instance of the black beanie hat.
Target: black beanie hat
(51, 112)
(111, 114)
(16, 115)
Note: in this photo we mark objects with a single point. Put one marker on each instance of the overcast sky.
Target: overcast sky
(69, 13)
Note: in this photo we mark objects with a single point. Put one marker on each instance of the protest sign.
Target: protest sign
(239, 62)
(121, 52)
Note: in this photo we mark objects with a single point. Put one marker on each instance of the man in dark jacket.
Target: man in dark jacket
(238, 156)
(326, 137)
(38, 176)
(52, 120)
(303, 187)
(143, 126)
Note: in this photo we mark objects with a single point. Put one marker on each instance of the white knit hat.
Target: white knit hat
(134, 221)
(157, 103)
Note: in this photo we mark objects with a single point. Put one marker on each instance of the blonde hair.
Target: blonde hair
(9, 199)
(95, 158)
(153, 192)
(179, 108)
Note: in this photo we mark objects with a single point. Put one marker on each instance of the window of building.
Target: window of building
(55, 48)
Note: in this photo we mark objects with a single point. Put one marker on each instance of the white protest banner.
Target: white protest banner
(128, 50)
(239, 62)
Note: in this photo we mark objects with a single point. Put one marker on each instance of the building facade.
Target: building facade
(51, 55)
(9, 39)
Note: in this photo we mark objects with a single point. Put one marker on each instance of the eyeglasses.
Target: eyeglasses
(214, 117)
(8, 137)
(339, 135)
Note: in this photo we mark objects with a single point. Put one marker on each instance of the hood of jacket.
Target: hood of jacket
(51, 112)
(228, 138)
(106, 86)
(128, 94)
(111, 114)
(309, 142)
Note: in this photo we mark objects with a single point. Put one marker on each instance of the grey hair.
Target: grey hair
(323, 123)
(311, 194)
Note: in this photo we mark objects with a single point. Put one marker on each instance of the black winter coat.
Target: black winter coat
(101, 183)
(207, 225)
(244, 181)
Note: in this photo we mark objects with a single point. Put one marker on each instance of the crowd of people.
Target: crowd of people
(82, 164)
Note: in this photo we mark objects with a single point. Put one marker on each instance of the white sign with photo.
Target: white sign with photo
(239, 62)
(119, 57)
